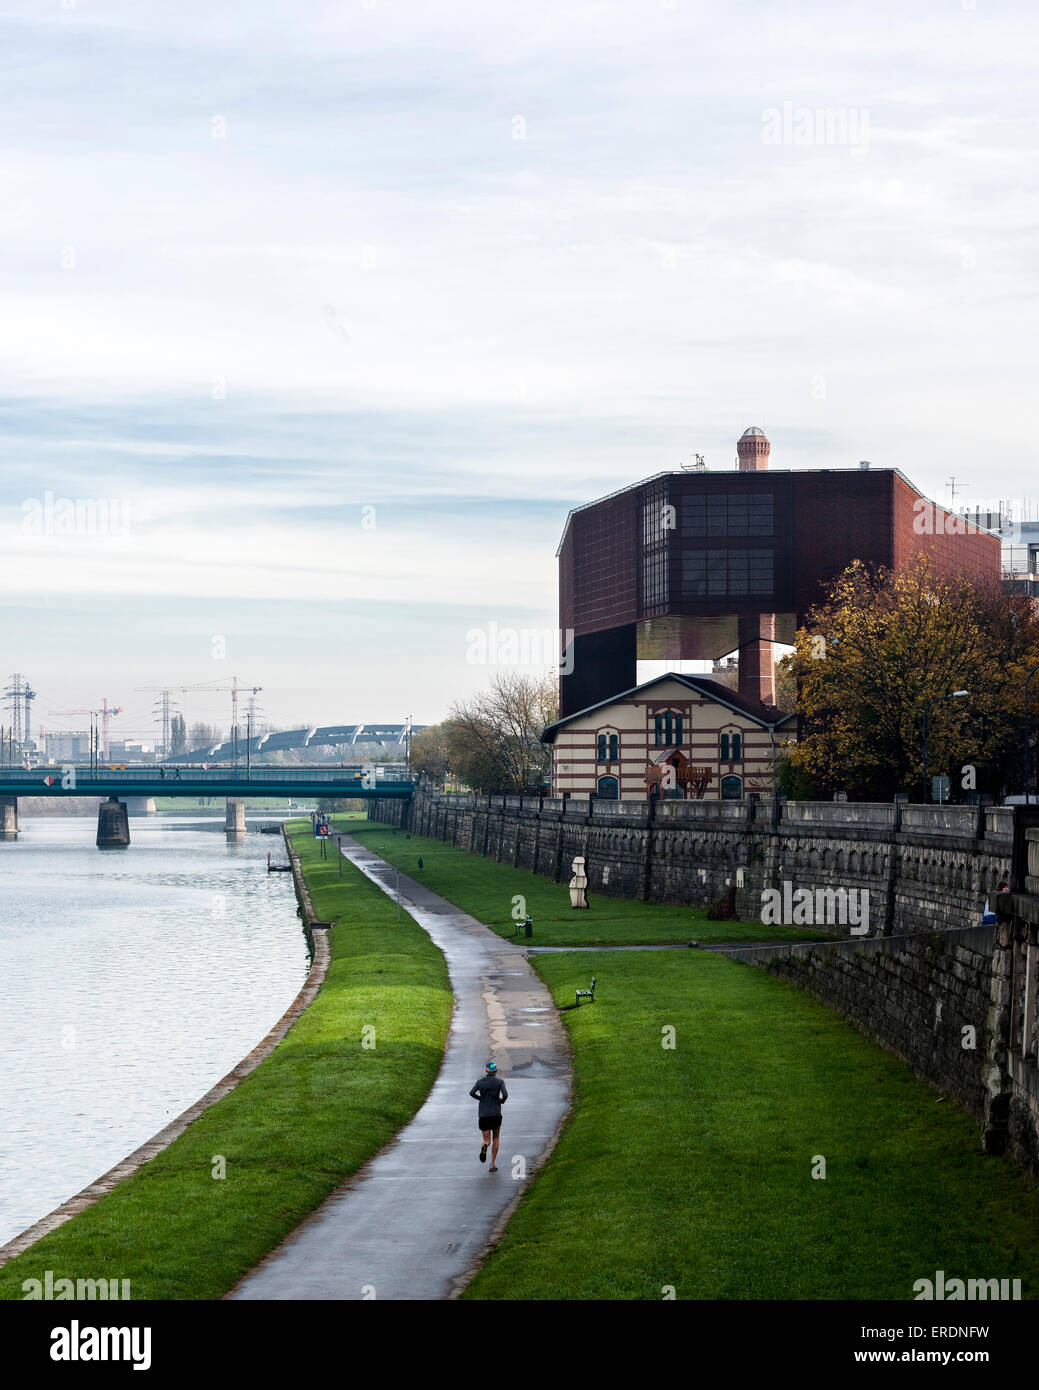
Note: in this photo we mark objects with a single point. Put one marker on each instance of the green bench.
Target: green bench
(585, 994)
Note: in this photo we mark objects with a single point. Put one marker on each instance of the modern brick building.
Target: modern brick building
(675, 736)
(691, 566)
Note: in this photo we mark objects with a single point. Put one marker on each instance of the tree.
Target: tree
(793, 781)
(178, 734)
(350, 805)
(429, 752)
(204, 736)
(880, 649)
(493, 741)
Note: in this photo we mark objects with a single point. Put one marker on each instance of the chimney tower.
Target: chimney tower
(756, 630)
(752, 450)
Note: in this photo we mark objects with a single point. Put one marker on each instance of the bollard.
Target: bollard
(528, 927)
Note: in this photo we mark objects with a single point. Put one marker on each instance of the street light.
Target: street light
(952, 695)
(1027, 682)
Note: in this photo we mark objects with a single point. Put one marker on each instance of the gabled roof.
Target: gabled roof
(767, 716)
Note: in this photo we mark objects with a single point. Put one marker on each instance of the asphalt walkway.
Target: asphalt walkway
(414, 1222)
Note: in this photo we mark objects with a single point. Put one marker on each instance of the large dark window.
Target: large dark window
(722, 573)
(728, 514)
(609, 789)
(667, 729)
(657, 525)
(732, 788)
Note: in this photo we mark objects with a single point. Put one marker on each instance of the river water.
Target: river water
(133, 980)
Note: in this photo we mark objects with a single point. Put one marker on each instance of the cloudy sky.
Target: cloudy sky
(269, 266)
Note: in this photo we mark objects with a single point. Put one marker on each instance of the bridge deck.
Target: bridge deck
(149, 781)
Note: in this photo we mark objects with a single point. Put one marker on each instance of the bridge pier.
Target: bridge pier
(234, 817)
(113, 824)
(140, 805)
(8, 817)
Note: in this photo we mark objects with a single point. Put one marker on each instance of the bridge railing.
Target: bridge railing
(86, 776)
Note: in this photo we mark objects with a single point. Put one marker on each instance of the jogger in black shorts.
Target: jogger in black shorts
(490, 1092)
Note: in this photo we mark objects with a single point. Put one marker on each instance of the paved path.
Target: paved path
(679, 946)
(552, 950)
(414, 1221)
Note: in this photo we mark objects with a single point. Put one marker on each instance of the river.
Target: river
(133, 980)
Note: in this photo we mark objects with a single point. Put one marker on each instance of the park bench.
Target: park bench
(585, 994)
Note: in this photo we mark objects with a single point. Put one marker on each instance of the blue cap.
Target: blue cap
(492, 1066)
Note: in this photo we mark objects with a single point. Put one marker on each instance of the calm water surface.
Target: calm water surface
(133, 980)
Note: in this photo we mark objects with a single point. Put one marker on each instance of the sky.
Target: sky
(333, 311)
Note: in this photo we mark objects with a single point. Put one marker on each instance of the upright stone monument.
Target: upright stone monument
(578, 884)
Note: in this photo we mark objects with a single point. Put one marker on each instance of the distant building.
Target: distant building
(131, 750)
(66, 747)
(690, 566)
(675, 736)
(1021, 553)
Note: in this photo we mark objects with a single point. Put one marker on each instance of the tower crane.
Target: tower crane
(105, 714)
(234, 690)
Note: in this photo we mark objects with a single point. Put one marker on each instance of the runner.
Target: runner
(490, 1092)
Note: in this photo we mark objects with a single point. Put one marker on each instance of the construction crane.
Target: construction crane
(105, 714)
(234, 689)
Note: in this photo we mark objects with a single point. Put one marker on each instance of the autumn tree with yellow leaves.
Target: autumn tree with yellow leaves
(872, 655)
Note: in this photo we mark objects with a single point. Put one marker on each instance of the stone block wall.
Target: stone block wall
(926, 997)
(924, 868)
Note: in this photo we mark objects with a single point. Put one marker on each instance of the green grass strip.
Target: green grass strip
(292, 1131)
(691, 1168)
(490, 891)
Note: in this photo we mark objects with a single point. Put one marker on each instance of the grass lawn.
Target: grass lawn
(486, 890)
(189, 805)
(692, 1167)
(304, 1120)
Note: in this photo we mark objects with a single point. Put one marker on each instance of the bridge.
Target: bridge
(350, 780)
(323, 736)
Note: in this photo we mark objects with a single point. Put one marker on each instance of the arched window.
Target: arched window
(732, 788)
(668, 731)
(609, 789)
(732, 748)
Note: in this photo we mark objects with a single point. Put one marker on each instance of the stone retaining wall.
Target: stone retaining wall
(923, 867)
(927, 997)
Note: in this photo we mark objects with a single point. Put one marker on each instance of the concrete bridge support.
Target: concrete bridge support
(113, 824)
(8, 817)
(140, 805)
(234, 819)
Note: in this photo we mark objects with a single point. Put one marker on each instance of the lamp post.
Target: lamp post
(952, 695)
(1028, 679)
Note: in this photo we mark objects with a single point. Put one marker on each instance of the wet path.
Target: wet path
(415, 1220)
